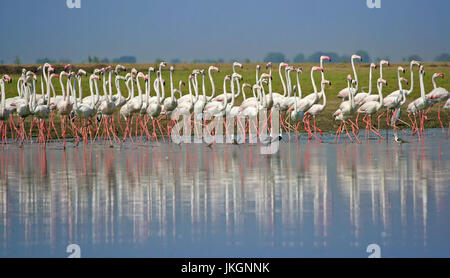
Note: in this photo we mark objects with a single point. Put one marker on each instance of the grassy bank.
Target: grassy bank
(336, 73)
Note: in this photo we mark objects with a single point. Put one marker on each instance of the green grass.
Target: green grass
(336, 73)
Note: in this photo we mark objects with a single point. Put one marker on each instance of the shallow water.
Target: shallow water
(167, 200)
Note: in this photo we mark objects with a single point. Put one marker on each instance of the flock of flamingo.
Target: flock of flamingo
(93, 117)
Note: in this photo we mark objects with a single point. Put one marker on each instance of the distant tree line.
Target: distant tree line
(278, 57)
(275, 57)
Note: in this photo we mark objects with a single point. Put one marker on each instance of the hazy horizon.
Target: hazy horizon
(225, 30)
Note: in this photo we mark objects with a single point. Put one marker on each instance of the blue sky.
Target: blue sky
(221, 29)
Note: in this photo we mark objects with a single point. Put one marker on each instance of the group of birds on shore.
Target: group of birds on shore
(92, 117)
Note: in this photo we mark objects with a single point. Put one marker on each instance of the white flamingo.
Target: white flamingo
(344, 93)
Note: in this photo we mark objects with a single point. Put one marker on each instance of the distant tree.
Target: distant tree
(414, 57)
(364, 55)
(65, 61)
(275, 57)
(246, 60)
(105, 60)
(2, 62)
(17, 60)
(299, 58)
(89, 59)
(444, 57)
(96, 60)
(220, 60)
(158, 60)
(344, 59)
(175, 61)
(44, 60)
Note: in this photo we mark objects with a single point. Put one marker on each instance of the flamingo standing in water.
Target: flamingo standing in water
(316, 109)
(421, 103)
(84, 110)
(4, 112)
(345, 112)
(370, 108)
(447, 106)
(438, 95)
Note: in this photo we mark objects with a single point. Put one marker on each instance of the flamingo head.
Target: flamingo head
(440, 75)
(400, 69)
(247, 85)
(266, 75)
(268, 65)
(191, 76)
(214, 68)
(81, 72)
(326, 82)
(94, 76)
(164, 82)
(163, 64)
(7, 78)
(227, 77)
(354, 56)
(317, 69)
(134, 71)
(237, 64)
(325, 58)
(422, 70)
(151, 69)
(349, 77)
(283, 64)
(54, 75)
(202, 72)
(120, 68)
(51, 69)
(405, 80)
(373, 65)
(258, 67)
(172, 69)
(68, 67)
(108, 68)
(299, 70)
(384, 62)
(237, 75)
(414, 62)
(182, 83)
(382, 81)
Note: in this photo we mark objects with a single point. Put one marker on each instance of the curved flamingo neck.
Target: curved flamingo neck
(355, 74)
(411, 88)
(213, 93)
(433, 80)
(314, 84)
(281, 78)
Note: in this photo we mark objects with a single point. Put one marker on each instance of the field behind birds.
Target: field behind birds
(336, 73)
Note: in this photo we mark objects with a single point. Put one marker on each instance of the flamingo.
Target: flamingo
(370, 108)
(305, 103)
(392, 102)
(359, 97)
(154, 108)
(344, 93)
(408, 92)
(132, 106)
(421, 103)
(41, 111)
(4, 113)
(438, 95)
(83, 110)
(346, 111)
(316, 109)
